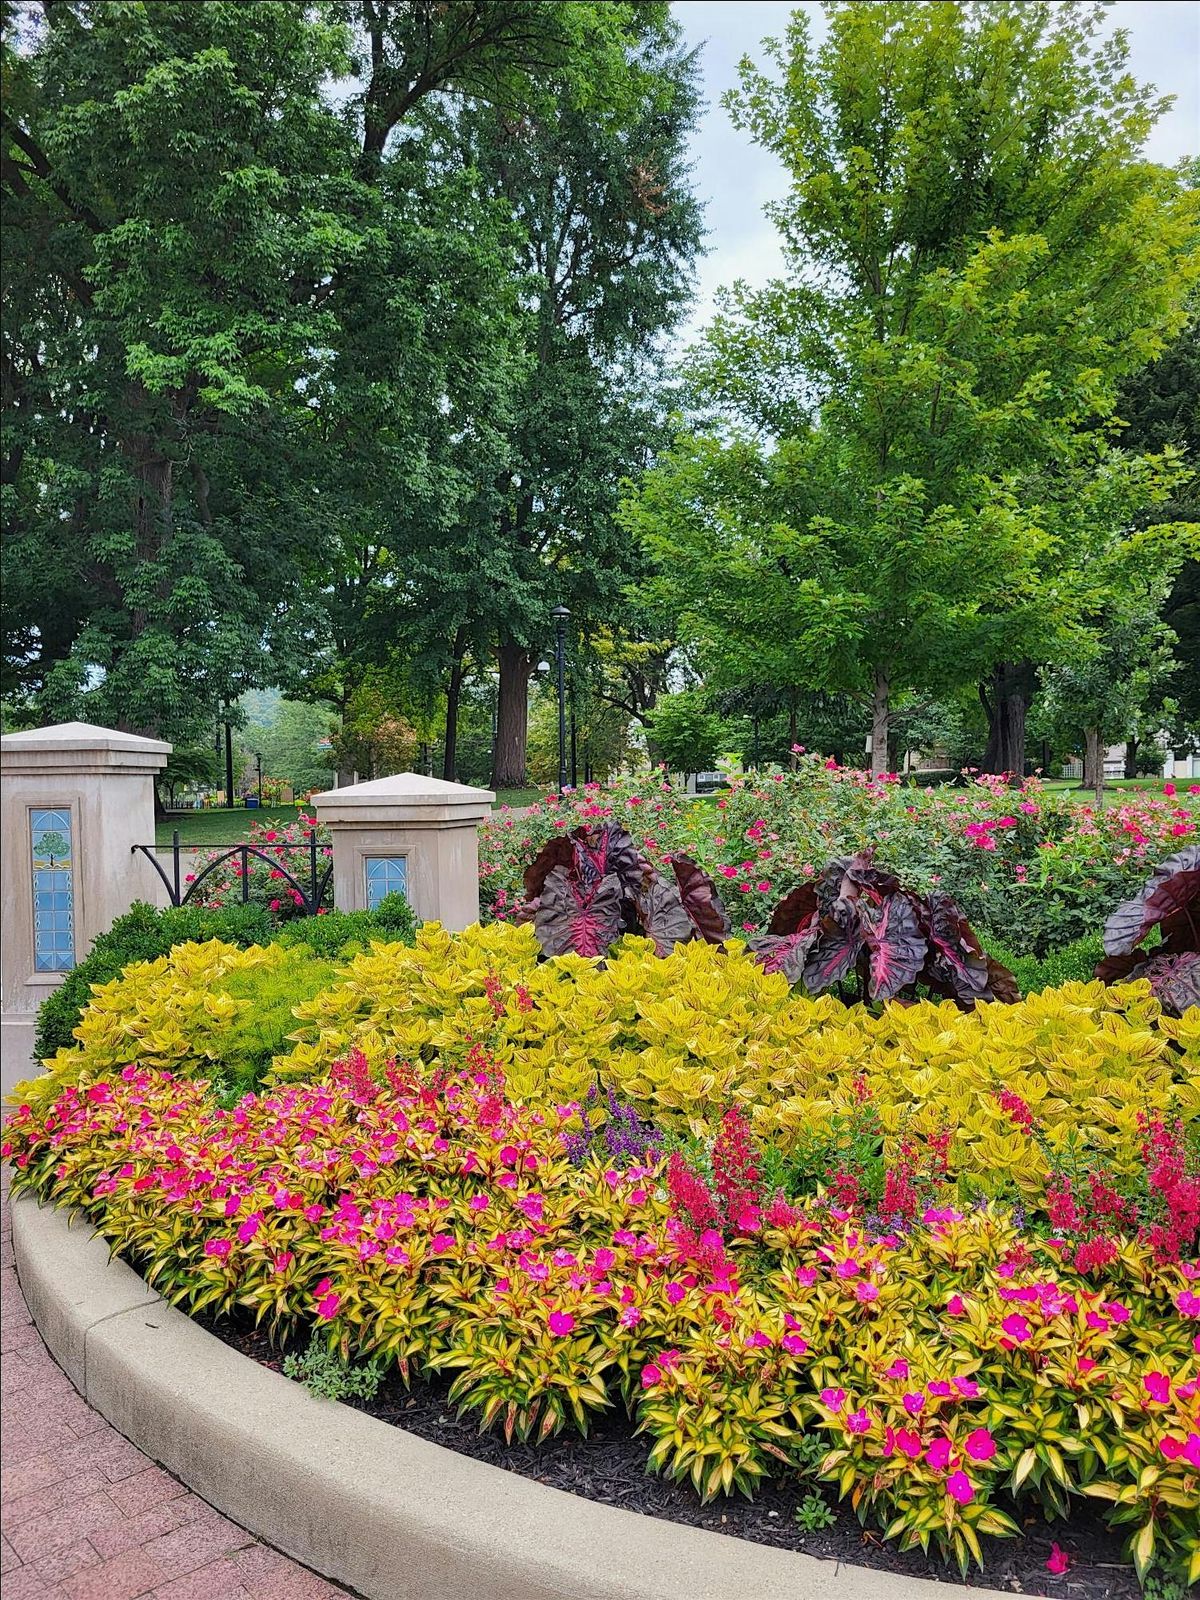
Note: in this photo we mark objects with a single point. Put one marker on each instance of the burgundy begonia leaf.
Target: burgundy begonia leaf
(1175, 980)
(556, 852)
(837, 947)
(870, 882)
(570, 918)
(610, 849)
(701, 901)
(664, 916)
(785, 952)
(1002, 985)
(796, 911)
(957, 966)
(1171, 893)
(896, 947)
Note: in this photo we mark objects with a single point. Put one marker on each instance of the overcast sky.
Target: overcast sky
(736, 178)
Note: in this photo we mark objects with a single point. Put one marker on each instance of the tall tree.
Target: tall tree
(977, 252)
(167, 182)
(244, 309)
(607, 230)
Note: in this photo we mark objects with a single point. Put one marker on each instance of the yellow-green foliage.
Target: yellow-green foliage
(682, 1038)
(686, 1036)
(207, 1008)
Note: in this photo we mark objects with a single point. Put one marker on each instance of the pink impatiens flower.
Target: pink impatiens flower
(1016, 1328)
(650, 1375)
(980, 1445)
(1059, 1560)
(560, 1323)
(859, 1422)
(835, 1399)
(1158, 1387)
(938, 1454)
(958, 1486)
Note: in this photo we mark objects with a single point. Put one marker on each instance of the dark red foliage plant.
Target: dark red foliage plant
(587, 888)
(858, 928)
(1169, 901)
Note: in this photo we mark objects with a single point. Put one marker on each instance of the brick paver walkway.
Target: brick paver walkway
(85, 1516)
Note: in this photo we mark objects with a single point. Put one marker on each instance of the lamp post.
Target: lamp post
(258, 770)
(560, 615)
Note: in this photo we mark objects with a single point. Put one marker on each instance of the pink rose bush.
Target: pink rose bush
(1038, 868)
(953, 1361)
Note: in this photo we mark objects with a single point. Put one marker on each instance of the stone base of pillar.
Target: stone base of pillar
(16, 1049)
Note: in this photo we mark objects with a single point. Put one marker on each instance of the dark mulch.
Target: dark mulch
(609, 1466)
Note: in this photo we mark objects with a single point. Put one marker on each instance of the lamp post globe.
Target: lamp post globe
(561, 615)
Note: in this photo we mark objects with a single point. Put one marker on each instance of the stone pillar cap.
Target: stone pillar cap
(403, 795)
(62, 738)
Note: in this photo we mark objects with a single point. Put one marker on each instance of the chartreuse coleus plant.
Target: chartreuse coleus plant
(955, 1367)
(206, 1007)
(678, 1038)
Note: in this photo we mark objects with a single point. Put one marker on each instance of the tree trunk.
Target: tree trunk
(1005, 698)
(1131, 755)
(453, 701)
(881, 716)
(1093, 764)
(512, 716)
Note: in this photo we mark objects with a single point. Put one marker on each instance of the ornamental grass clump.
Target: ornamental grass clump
(955, 1367)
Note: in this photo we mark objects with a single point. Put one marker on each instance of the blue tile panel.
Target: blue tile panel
(53, 890)
(385, 875)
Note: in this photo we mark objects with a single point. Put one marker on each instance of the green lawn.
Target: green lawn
(218, 825)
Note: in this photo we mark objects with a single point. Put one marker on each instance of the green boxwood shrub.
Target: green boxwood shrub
(146, 932)
(1071, 963)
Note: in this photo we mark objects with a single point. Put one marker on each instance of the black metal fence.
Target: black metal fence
(311, 886)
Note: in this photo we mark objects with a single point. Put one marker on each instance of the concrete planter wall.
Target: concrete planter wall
(372, 1507)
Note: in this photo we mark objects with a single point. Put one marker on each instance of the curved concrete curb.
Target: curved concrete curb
(364, 1503)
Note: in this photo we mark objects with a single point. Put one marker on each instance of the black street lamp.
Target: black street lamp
(258, 769)
(560, 615)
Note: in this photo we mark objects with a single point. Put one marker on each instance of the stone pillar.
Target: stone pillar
(74, 800)
(412, 833)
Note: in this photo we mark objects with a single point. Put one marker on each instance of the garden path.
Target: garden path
(86, 1516)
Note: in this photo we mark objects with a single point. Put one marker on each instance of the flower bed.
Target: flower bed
(682, 1038)
(1037, 869)
(952, 1363)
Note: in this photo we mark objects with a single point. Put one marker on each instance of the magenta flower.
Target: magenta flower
(967, 1387)
(898, 1369)
(835, 1399)
(1158, 1387)
(794, 1344)
(980, 1445)
(866, 1292)
(1059, 1560)
(939, 1389)
(914, 1403)
(560, 1323)
(909, 1441)
(859, 1422)
(651, 1375)
(956, 1306)
(958, 1486)
(938, 1454)
(1016, 1328)
(218, 1247)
